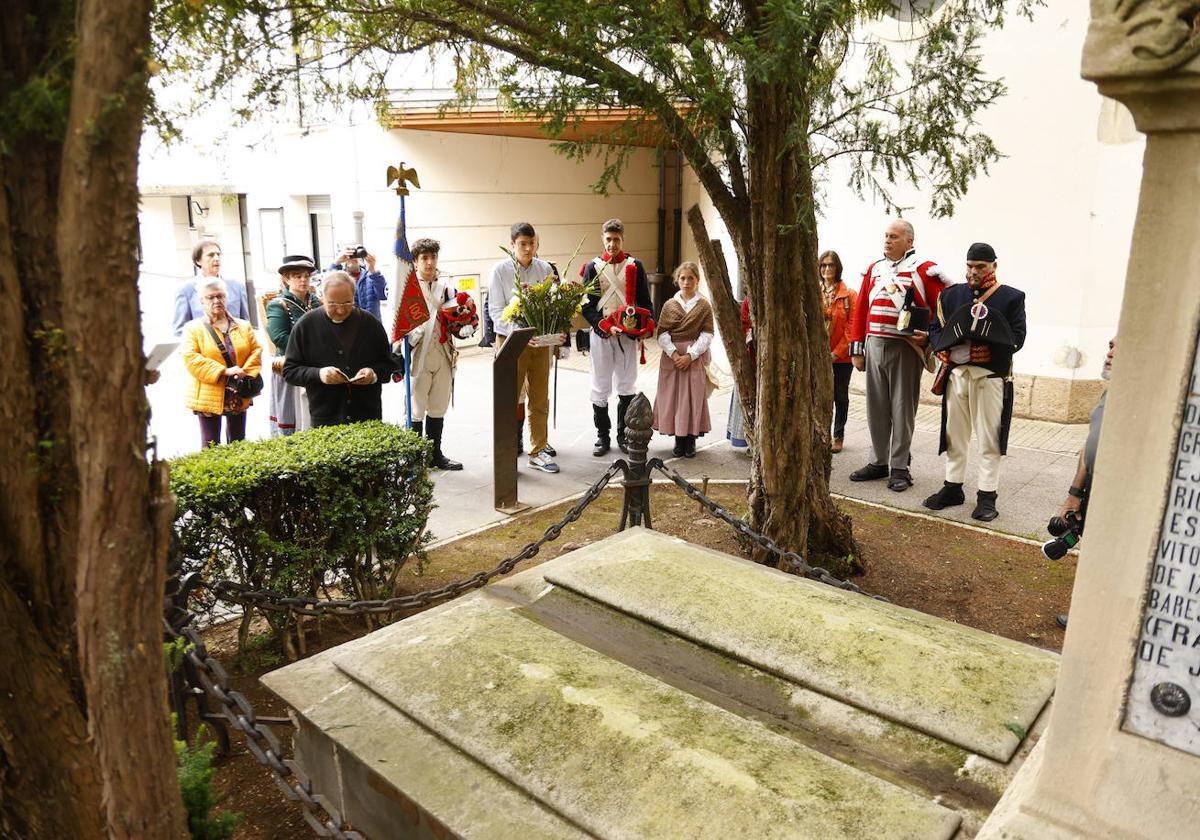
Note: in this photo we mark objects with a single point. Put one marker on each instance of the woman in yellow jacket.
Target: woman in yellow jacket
(219, 351)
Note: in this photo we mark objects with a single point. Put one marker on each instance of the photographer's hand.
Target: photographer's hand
(1070, 505)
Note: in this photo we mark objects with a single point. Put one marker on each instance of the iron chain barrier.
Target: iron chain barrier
(265, 599)
(793, 561)
(264, 745)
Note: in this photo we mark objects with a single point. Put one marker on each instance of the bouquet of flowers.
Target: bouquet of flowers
(548, 306)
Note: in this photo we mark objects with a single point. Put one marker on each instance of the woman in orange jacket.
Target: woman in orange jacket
(219, 351)
(837, 302)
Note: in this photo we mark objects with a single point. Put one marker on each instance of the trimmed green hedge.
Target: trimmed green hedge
(346, 503)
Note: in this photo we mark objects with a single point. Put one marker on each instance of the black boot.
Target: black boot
(680, 446)
(623, 401)
(985, 506)
(440, 461)
(418, 427)
(603, 429)
(520, 436)
(689, 446)
(950, 495)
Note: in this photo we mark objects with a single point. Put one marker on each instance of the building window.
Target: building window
(270, 223)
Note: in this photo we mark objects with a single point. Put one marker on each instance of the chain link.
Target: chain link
(791, 559)
(265, 599)
(261, 741)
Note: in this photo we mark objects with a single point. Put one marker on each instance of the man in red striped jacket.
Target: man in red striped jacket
(892, 360)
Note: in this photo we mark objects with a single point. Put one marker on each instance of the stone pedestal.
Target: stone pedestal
(645, 687)
(1092, 776)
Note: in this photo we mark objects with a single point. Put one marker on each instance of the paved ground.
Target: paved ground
(1036, 472)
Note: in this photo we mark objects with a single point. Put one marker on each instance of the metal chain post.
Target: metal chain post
(639, 423)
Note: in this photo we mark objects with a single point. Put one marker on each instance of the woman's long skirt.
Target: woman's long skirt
(289, 407)
(681, 404)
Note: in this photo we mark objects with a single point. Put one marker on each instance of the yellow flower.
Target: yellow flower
(512, 311)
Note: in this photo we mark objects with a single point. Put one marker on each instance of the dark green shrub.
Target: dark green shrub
(194, 767)
(291, 514)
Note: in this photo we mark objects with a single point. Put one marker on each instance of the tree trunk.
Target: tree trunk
(792, 405)
(85, 746)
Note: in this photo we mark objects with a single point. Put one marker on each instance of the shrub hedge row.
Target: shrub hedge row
(340, 503)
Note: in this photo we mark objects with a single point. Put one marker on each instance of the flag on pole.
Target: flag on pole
(410, 311)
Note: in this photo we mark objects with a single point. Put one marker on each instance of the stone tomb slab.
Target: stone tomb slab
(644, 687)
(972, 689)
(614, 751)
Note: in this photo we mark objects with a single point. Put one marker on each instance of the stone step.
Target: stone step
(975, 690)
(612, 750)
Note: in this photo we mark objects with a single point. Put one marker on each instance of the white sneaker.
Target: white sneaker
(542, 461)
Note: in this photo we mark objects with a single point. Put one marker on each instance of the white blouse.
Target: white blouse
(702, 341)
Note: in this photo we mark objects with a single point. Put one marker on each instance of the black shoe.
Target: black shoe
(871, 472)
(603, 428)
(899, 480)
(985, 506)
(441, 462)
(950, 495)
(680, 446)
(1061, 621)
(689, 446)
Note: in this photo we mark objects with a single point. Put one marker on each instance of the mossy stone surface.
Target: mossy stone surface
(391, 776)
(969, 688)
(612, 750)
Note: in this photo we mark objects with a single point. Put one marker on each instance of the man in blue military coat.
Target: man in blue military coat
(977, 328)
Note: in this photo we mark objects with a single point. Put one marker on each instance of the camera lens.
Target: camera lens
(1055, 549)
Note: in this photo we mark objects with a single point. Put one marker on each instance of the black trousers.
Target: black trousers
(210, 428)
(841, 396)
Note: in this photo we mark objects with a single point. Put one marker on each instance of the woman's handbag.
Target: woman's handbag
(248, 387)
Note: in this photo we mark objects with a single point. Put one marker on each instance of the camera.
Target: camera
(360, 252)
(1067, 532)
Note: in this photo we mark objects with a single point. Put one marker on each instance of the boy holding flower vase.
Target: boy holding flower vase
(522, 271)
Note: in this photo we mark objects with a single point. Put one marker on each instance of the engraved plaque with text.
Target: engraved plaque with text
(1164, 694)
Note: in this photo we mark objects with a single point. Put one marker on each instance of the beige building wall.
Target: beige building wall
(1058, 208)
(472, 189)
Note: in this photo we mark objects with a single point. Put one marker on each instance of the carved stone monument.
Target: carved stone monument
(1121, 757)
